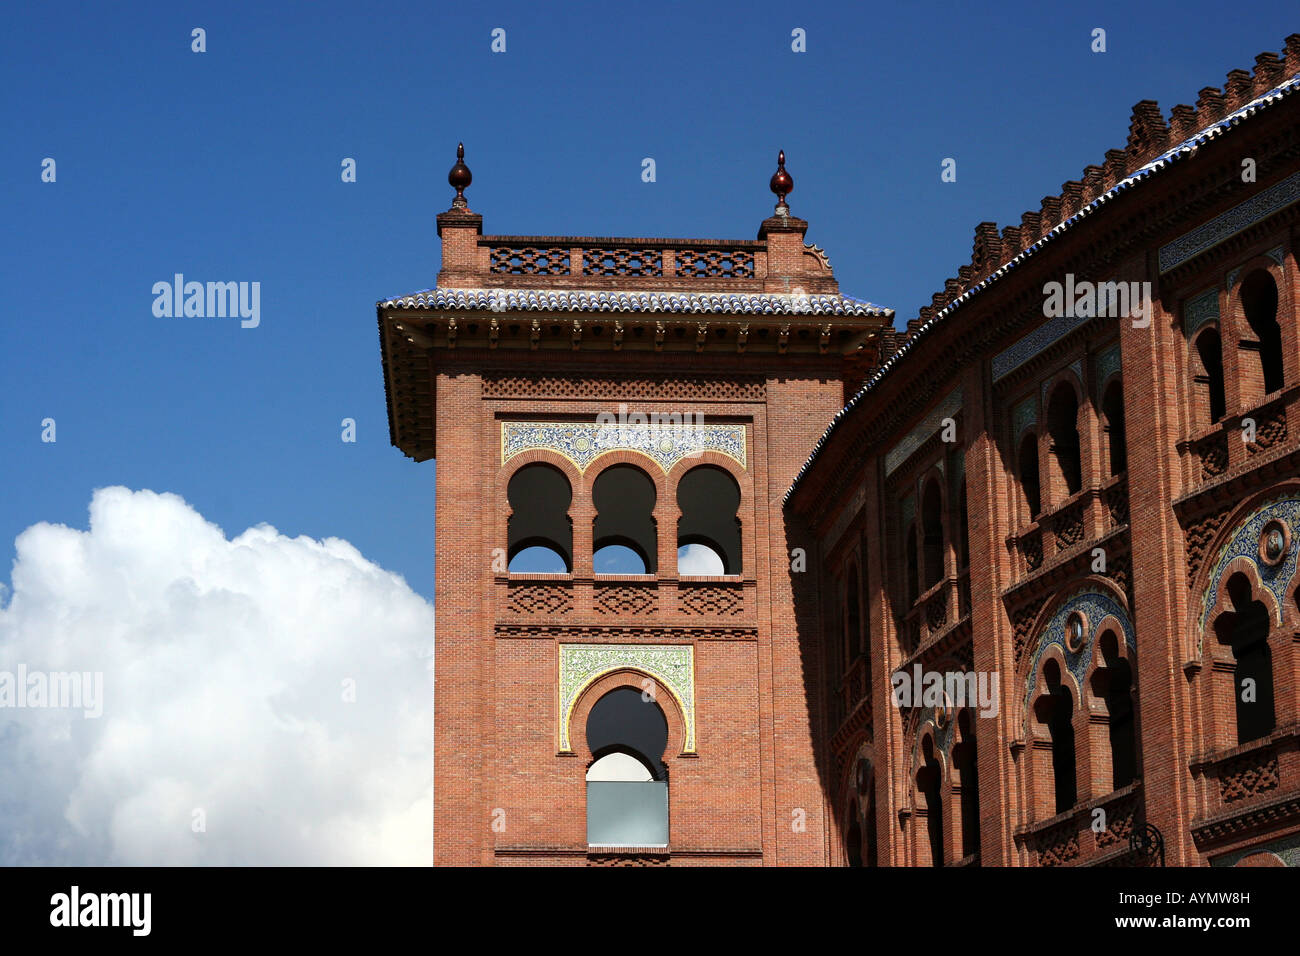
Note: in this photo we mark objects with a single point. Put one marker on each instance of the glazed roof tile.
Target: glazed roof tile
(573, 300)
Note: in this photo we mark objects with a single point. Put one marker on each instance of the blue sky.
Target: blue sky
(225, 166)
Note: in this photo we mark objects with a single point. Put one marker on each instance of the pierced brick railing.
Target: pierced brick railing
(1224, 447)
(1237, 787)
(648, 258)
(1069, 838)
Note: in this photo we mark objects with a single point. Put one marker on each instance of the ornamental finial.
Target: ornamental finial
(782, 184)
(460, 178)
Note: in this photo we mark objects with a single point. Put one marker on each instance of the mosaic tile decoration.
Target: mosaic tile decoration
(1275, 254)
(944, 737)
(948, 408)
(1036, 342)
(584, 442)
(671, 665)
(1095, 606)
(1204, 308)
(1108, 363)
(1024, 415)
(1228, 224)
(1244, 543)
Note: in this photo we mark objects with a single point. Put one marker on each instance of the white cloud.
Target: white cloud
(223, 665)
(698, 559)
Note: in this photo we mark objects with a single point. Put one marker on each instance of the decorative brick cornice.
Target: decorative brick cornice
(1248, 820)
(599, 634)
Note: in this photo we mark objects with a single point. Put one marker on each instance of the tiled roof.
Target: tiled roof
(573, 300)
(1183, 150)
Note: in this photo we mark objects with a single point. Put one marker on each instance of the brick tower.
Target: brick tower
(593, 401)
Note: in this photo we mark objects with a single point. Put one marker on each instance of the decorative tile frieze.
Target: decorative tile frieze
(671, 665)
(1023, 416)
(1035, 343)
(584, 442)
(1200, 310)
(1095, 607)
(1245, 544)
(1228, 224)
(1107, 364)
(948, 408)
(907, 509)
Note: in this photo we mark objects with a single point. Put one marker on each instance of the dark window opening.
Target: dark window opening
(1117, 690)
(539, 531)
(1060, 725)
(932, 534)
(709, 499)
(624, 536)
(853, 838)
(1209, 349)
(964, 759)
(1245, 629)
(1063, 429)
(1028, 467)
(1259, 302)
(929, 779)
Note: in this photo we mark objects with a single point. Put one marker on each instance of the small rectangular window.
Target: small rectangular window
(621, 813)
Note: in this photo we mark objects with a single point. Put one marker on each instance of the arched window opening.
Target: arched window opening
(709, 499)
(853, 614)
(853, 836)
(1060, 724)
(929, 780)
(1245, 629)
(539, 532)
(618, 559)
(699, 559)
(538, 559)
(913, 573)
(1063, 430)
(932, 534)
(627, 784)
(624, 539)
(1112, 408)
(1209, 378)
(966, 764)
(1259, 302)
(963, 527)
(1028, 468)
(1115, 687)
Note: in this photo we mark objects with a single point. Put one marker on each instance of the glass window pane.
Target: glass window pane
(627, 814)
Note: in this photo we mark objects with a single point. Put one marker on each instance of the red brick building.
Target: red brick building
(1072, 479)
